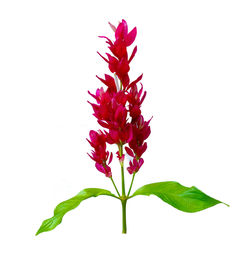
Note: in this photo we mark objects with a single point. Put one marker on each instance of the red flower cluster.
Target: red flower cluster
(117, 107)
(119, 63)
(99, 154)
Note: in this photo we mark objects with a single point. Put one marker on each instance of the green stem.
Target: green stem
(123, 197)
(122, 171)
(131, 184)
(124, 223)
(115, 186)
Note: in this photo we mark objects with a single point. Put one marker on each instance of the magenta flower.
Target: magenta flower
(135, 165)
(117, 107)
(119, 62)
(99, 154)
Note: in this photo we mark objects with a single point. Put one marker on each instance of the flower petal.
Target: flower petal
(122, 30)
(112, 27)
(131, 37)
(106, 60)
(133, 54)
(129, 152)
(110, 158)
(100, 167)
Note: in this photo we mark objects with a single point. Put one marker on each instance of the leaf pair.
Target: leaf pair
(186, 199)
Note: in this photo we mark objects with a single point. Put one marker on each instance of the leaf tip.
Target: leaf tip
(38, 232)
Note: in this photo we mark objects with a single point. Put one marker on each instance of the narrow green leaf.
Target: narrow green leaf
(68, 205)
(186, 199)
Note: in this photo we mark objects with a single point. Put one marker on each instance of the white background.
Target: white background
(195, 59)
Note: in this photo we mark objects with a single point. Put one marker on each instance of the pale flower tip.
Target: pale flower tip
(112, 27)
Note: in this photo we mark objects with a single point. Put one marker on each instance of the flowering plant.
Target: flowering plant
(117, 108)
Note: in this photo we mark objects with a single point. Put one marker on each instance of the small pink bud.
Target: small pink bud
(121, 158)
(112, 27)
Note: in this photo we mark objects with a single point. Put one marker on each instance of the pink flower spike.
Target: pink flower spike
(118, 105)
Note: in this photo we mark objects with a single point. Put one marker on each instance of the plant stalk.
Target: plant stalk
(115, 186)
(124, 222)
(123, 197)
(131, 184)
(122, 171)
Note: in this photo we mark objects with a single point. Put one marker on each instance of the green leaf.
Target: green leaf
(186, 199)
(70, 204)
